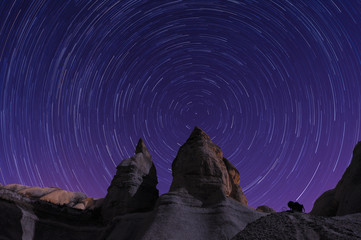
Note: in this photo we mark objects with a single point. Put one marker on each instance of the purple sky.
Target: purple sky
(276, 84)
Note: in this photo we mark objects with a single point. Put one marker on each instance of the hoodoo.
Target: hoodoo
(133, 188)
(201, 170)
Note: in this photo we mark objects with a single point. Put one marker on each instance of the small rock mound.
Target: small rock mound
(133, 188)
(345, 198)
(265, 209)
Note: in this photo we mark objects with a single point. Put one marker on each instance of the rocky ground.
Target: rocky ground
(301, 226)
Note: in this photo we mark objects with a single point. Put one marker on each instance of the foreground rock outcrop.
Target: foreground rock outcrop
(302, 226)
(345, 198)
(133, 188)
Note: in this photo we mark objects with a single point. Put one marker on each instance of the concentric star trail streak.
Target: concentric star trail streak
(276, 84)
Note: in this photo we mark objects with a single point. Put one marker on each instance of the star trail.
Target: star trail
(276, 84)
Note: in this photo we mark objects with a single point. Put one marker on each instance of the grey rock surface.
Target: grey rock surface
(345, 198)
(133, 188)
(179, 215)
(302, 226)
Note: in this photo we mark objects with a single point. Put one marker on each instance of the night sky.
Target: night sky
(276, 84)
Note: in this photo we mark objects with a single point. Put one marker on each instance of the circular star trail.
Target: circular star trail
(276, 84)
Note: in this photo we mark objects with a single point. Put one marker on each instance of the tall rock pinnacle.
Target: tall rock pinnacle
(200, 169)
(133, 188)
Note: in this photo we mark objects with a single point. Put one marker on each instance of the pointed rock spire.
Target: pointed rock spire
(200, 169)
(198, 135)
(141, 148)
(133, 188)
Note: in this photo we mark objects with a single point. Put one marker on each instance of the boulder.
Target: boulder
(345, 198)
(265, 209)
(133, 188)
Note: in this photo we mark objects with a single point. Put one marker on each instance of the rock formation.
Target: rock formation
(345, 198)
(133, 188)
(205, 201)
(200, 170)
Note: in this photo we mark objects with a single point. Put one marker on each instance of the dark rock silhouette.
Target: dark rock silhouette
(10, 221)
(133, 188)
(345, 198)
(200, 170)
(295, 206)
